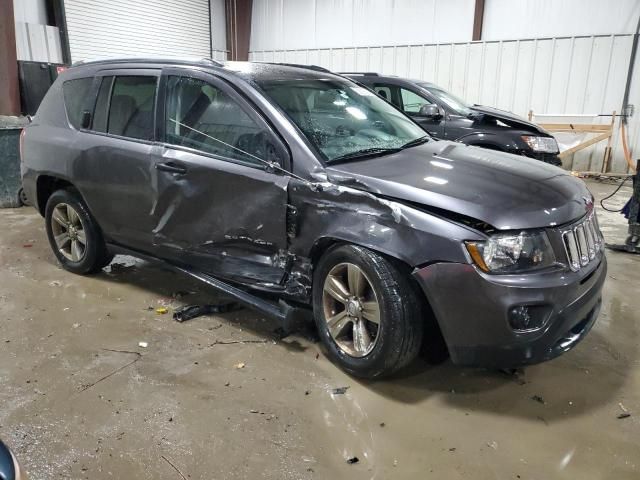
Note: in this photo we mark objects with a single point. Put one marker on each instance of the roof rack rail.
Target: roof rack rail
(182, 61)
(365, 74)
(308, 67)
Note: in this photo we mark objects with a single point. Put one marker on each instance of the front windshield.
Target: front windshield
(456, 104)
(342, 119)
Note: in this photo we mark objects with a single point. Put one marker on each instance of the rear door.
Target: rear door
(118, 155)
(215, 202)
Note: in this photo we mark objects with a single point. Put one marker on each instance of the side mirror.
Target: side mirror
(85, 120)
(430, 110)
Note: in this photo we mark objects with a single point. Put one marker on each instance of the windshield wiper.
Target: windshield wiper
(417, 141)
(367, 152)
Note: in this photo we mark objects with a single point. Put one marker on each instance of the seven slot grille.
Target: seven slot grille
(582, 242)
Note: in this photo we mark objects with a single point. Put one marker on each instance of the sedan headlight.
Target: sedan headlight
(541, 144)
(509, 253)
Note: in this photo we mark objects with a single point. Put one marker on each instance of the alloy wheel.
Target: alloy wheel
(351, 309)
(68, 232)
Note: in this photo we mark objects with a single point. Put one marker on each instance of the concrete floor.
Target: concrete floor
(81, 399)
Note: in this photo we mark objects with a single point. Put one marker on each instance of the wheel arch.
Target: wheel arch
(434, 348)
(46, 185)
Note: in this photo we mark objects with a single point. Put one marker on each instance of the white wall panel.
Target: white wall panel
(513, 19)
(38, 43)
(112, 28)
(314, 24)
(218, 26)
(30, 11)
(578, 75)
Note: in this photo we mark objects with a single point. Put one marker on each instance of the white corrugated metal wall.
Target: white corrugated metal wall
(112, 28)
(286, 24)
(559, 75)
(35, 40)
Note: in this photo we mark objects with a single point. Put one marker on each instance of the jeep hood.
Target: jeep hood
(509, 118)
(506, 191)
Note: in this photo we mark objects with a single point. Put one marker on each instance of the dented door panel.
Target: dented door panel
(225, 218)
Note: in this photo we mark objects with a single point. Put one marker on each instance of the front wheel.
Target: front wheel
(367, 312)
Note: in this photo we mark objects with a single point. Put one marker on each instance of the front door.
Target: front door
(410, 102)
(217, 206)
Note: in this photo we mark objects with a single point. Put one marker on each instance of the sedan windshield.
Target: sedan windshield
(456, 104)
(343, 120)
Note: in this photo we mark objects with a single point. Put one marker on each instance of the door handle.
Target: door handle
(171, 167)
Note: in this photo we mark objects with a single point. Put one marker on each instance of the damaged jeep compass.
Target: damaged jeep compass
(291, 188)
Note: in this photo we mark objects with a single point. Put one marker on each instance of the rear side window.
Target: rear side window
(131, 106)
(75, 94)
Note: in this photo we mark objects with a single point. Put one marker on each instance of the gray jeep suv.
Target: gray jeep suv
(293, 188)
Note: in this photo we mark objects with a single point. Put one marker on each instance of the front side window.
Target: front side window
(412, 102)
(131, 109)
(341, 119)
(75, 98)
(204, 117)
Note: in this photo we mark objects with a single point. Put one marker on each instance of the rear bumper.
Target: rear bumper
(472, 311)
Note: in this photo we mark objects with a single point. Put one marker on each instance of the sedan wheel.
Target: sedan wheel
(351, 309)
(68, 232)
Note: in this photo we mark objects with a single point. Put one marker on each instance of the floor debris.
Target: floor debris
(539, 399)
(143, 344)
(625, 413)
(352, 460)
(189, 312)
(340, 390)
(241, 342)
(239, 365)
(161, 310)
(138, 357)
(174, 467)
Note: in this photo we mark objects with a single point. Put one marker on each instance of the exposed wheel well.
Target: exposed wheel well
(45, 186)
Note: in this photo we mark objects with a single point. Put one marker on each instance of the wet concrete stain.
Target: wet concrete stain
(81, 399)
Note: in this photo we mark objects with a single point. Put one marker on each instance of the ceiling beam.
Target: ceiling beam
(238, 19)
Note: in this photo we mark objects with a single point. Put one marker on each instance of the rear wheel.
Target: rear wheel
(367, 312)
(74, 236)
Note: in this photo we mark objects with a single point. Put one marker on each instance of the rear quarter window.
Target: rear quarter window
(75, 94)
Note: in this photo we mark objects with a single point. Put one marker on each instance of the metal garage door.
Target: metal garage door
(116, 28)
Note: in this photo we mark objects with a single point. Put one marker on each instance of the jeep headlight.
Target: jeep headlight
(512, 253)
(541, 144)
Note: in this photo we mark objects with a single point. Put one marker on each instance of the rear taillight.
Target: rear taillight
(60, 69)
(22, 134)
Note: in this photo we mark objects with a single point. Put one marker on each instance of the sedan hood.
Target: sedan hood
(509, 118)
(506, 191)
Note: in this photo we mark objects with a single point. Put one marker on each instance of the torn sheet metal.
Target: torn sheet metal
(227, 218)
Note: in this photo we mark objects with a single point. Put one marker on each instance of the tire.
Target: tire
(396, 337)
(67, 213)
(22, 198)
